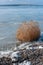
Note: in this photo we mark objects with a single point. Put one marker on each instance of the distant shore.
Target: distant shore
(20, 5)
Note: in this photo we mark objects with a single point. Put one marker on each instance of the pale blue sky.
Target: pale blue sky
(22, 1)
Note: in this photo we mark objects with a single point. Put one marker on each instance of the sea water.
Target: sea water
(12, 16)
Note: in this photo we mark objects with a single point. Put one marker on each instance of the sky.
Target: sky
(39, 2)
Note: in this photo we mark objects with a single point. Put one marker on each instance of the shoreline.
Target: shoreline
(10, 44)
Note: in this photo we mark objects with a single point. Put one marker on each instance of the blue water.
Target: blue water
(12, 16)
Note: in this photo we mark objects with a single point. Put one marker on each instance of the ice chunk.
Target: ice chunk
(25, 63)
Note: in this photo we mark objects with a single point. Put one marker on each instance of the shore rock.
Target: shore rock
(25, 54)
(33, 54)
(6, 61)
(28, 32)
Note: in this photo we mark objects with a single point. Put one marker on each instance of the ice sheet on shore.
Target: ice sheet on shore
(15, 49)
(16, 54)
(5, 53)
(24, 63)
(12, 55)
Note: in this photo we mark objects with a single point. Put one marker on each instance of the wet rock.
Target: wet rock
(5, 61)
(35, 56)
(28, 32)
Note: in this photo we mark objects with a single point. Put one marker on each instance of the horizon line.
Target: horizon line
(20, 5)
